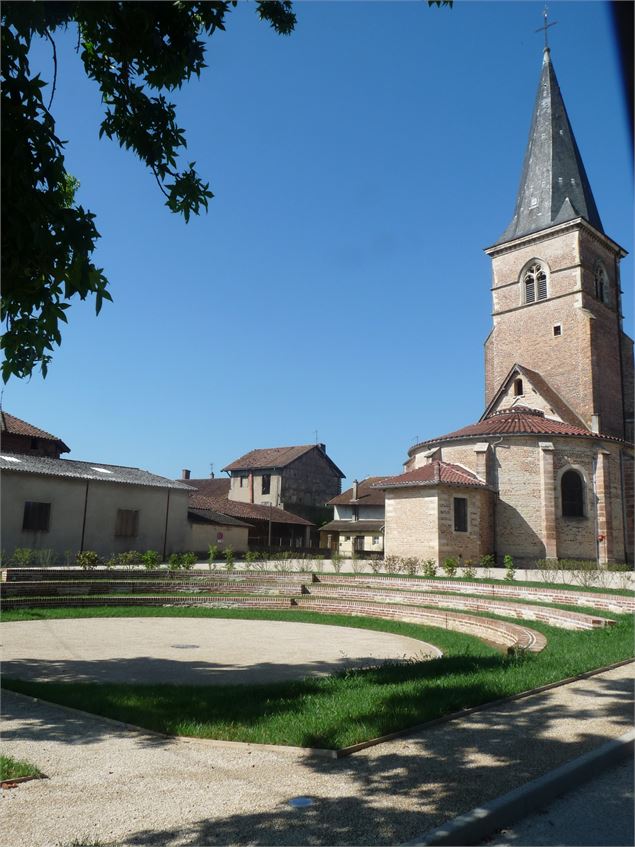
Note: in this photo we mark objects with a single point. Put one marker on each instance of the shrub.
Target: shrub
(410, 565)
(548, 569)
(228, 553)
(450, 567)
(188, 560)
(358, 565)
(625, 573)
(392, 564)
(376, 565)
(44, 558)
(87, 559)
(174, 562)
(336, 561)
(150, 559)
(250, 557)
(429, 568)
(469, 571)
(22, 557)
(124, 560)
(508, 564)
(212, 556)
(318, 564)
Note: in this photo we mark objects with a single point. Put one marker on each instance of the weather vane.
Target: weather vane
(545, 25)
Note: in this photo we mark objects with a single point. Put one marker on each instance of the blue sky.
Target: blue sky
(338, 283)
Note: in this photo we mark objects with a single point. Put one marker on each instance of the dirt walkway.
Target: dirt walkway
(135, 789)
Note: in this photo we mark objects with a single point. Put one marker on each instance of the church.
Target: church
(547, 472)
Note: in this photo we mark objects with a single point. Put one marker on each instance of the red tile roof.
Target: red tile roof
(268, 458)
(366, 494)
(248, 511)
(518, 420)
(15, 426)
(435, 473)
(210, 486)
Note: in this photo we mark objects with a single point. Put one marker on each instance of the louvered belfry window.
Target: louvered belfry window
(535, 280)
(600, 283)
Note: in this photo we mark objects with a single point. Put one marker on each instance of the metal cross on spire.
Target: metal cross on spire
(545, 25)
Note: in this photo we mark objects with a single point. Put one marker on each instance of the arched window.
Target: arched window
(601, 282)
(572, 490)
(535, 283)
(518, 388)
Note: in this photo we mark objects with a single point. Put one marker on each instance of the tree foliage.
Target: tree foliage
(136, 52)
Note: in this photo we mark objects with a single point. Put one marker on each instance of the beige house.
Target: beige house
(206, 527)
(358, 520)
(548, 470)
(64, 505)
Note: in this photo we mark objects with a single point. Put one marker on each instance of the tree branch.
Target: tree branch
(48, 35)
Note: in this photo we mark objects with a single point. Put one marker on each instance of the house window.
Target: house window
(37, 517)
(355, 513)
(242, 481)
(460, 514)
(266, 483)
(375, 539)
(572, 490)
(347, 538)
(518, 388)
(601, 282)
(557, 330)
(535, 283)
(127, 523)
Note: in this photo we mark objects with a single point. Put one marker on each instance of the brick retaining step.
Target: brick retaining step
(150, 600)
(554, 617)
(618, 603)
(102, 586)
(499, 632)
(72, 574)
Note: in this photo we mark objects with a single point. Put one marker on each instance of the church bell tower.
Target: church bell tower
(556, 283)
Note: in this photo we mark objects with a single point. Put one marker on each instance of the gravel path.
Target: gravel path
(135, 789)
(196, 651)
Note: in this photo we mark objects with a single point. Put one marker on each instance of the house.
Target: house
(241, 524)
(547, 472)
(18, 436)
(298, 479)
(65, 505)
(358, 520)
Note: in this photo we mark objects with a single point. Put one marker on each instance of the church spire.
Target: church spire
(554, 187)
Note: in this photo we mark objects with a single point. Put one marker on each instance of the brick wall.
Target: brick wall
(310, 481)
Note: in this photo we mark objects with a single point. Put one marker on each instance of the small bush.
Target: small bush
(318, 564)
(392, 564)
(174, 562)
(87, 559)
(150, 560)
(376, 565)
(358, 565)
(44, 558)
(510, 571)
(469, 571)
(228, 553)
(22, 557)
(188, 560)
(336, 561)
(450, 567)
(410, 565)
(548, 569)
(429, 568)
(212, 556)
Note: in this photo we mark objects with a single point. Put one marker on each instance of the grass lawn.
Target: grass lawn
(13, 768)
(343, 709)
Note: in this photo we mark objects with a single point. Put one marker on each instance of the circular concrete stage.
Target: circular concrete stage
(196, 651)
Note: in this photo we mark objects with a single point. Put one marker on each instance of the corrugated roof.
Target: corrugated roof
(554, 187)
(269, 458)
(16, 426)
(210, 516)
(366, 495)
(354, 527)
(68, 468)
(249, 511)
(435, 473)
(517, 420)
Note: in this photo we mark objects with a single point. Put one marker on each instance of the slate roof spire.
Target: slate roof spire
(554, 187)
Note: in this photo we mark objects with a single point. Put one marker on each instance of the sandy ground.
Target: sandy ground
(130, 788)
(195, 651)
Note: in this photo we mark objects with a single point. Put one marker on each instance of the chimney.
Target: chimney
(322, 447)
(355, 485)
(185, 474)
